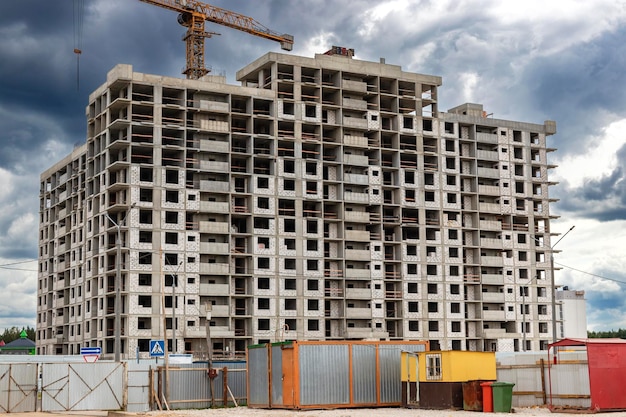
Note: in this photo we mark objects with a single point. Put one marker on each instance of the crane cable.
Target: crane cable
(79, 13)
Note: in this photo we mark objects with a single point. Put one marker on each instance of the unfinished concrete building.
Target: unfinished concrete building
(323, 198)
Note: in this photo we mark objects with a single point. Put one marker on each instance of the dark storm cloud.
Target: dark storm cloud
(580, 87)
(603, 199)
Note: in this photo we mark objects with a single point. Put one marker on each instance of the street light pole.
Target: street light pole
(553, 289)
(554, 338)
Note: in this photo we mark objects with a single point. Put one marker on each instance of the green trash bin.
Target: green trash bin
(502, 396)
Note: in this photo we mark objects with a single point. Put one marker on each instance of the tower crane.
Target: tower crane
(193, 14)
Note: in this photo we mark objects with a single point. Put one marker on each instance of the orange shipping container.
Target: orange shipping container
(331, 374)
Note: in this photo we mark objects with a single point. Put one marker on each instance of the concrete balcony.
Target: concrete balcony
(488, 172)
(211, 125)
(354, 103)
(215, 206)
(214, 227)
(214, 289)
(357, 273)
(358, 313)
(59, 321)
(214, 166)
(489, 189)
(491, 243)
(362, 160)
(220, 311)
(214, 269)
(491, 260)
(355, 122)
(358, 235)
(214, 146)
(357, 254)
(364, 333)
(356, 216)
(360, 141)
(352, 197)
(360, 179)
(489, 207)
(490, 225)
(213, 106)
(359, 293)
(486, 138)
(493, 315)
(354, 85)
(493, 297)
(220, 331)
(492, 279)
(487, 155)
(214, 248)
(496, 334)
(216, 186)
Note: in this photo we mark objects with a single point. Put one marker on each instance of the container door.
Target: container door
(289, 380)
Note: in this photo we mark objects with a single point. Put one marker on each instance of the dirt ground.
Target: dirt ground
(354, 412)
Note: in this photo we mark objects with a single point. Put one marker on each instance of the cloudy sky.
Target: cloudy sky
(528, 61)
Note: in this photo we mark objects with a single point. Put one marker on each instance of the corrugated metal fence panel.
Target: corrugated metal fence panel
(390, 379)
(258, 373)
(189, 386)
(236, 379)
(571, 380)
(18, 387)
(324, 374)
(364, 374)
(82, 386)
(524, 370)
(138, 388)
(277, 375)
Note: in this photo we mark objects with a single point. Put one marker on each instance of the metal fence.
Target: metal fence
(538, 382)
(27, 385)
(70, 384)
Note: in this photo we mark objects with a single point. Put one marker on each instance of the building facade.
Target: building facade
(323, 198)
(573, 314)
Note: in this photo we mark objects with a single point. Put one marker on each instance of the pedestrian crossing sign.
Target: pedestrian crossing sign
(157, 348)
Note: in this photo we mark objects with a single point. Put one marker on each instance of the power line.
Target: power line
(18, 263)
(17, 269)
(592, 274)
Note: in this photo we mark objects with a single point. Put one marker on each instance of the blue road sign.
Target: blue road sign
(157, 348)
(90, 351)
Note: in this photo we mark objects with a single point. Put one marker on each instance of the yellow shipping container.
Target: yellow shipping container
(448, 366)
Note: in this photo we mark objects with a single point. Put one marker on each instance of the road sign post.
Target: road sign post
(157, 348)
(91, 354)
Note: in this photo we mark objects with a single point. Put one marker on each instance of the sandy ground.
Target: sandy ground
(354, 412)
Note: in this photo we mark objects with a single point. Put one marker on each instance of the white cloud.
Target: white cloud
(469, 81)
(593, 161)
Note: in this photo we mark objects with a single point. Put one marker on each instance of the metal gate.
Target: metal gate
(18, 387)
(83, 386)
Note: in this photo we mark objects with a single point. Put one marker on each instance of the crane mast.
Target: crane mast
(194, 14)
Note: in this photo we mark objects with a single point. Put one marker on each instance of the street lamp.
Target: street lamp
(117, 345)
(552, 283)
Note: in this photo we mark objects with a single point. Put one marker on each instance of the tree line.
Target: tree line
(13, 333)
(619, 333)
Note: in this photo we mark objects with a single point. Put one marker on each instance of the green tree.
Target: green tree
(13, 333)
(619, 333)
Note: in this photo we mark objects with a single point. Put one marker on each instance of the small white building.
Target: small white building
(573, 313)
